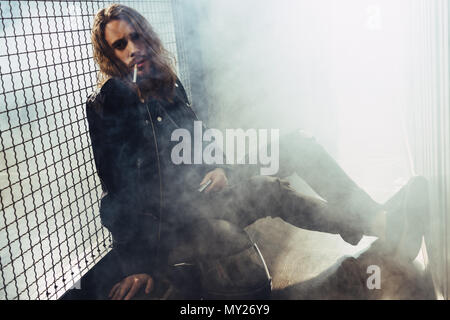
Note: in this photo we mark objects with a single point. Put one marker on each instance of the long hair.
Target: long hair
(162, 80)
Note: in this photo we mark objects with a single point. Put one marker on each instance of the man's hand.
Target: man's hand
(218, 180)
(131, 285)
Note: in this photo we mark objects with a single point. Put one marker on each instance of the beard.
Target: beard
(155, 83)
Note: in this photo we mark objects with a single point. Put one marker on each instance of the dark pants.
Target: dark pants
(215, 240)
(212, 256)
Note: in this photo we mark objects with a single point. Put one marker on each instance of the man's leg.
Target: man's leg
(263, 196)
(220, 259)
(400, 222)
(230, 266)
(301, 154)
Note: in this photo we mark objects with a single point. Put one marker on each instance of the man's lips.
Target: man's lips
(139, 64)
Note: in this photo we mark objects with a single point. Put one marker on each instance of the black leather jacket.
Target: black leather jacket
(143, 190)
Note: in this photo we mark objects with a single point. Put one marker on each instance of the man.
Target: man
(158, 219)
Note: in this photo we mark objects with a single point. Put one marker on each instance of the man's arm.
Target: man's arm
(118, 208)
(137, 266)
(217, 173)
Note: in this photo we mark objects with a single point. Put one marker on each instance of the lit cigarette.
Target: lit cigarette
(135, 73)
(204, 186)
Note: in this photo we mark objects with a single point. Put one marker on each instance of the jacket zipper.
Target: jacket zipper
(139, 164)
(159, 173)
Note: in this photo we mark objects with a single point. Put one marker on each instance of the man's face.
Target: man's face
(128, 46)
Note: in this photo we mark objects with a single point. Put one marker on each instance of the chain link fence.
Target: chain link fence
(50, 230)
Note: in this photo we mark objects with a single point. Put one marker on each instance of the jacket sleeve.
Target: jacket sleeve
(192, 116)
(117, 206)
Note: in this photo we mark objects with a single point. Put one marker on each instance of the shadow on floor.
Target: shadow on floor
(348, 277)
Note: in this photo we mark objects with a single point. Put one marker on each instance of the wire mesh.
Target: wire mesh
(50, 231)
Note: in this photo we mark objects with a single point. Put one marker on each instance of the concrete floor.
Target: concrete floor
(315, 265)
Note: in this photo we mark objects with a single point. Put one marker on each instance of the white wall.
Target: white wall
(335, 68)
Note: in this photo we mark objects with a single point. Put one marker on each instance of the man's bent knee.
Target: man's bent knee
(268, 186)
(240, 276)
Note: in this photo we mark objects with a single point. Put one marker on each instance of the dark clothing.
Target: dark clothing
(350, 206)
(157, 217)
(142, 188)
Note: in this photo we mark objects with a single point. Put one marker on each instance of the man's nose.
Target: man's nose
(133, 50)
